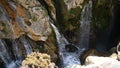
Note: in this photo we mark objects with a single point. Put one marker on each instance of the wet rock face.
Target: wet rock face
(24, 17)
(71, 48)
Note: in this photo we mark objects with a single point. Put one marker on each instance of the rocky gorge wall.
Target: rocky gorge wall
(31, 18)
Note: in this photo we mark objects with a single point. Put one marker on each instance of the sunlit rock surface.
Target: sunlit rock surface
(102, 62)
(24, 17)
(99, 62)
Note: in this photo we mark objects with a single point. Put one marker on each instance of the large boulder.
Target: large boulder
(102, 62)
(24, 17)
(98, 62)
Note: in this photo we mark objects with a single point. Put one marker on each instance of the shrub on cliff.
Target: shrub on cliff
(37, 60)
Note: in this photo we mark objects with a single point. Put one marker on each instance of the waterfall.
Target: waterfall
(4, 53)
(26, 44)
(67, 58)
(72, 58)
(18, 56)
(61, 40)
(86, 16)
(6, 57)
(15, 49)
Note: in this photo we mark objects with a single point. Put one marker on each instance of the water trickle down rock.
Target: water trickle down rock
(4, 54)
(16, 50)
(6, 57)
(86, 16)
(67, 58)
(26, 44)
(83, 37)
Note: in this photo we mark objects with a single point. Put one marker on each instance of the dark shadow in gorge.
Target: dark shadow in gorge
(2, 64)
(61, 11)
(111, 36)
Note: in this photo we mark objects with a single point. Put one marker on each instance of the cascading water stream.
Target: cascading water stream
(86, 16)
(5, 56)
(16, 52)
(71, 58)
(4, 53)
(15, 49)
(17, 62)
(26, 44)
(59, 38)
(67, 58)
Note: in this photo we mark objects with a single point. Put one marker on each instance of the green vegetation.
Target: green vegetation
(101, 15)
